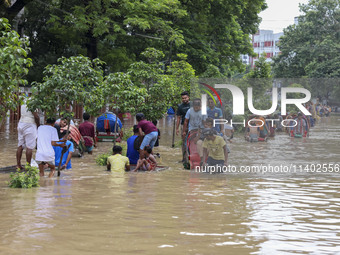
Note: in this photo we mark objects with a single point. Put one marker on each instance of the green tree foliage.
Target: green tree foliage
(162, 85)
(312, 47)
(208, 32)
(94, 20)
(160, 88)
(182, 74)
(115, 31)
(14, 65)
(120, 93)
(217, 32)
(73, 80)
(262, 69)
(260, 80)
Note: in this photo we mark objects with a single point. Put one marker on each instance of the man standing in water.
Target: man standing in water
(27, 134)
(86, 129)
(47, 138)
(181, 111)
(215, 113)
(131, 152)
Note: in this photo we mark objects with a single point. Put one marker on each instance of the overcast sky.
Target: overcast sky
(280, 14)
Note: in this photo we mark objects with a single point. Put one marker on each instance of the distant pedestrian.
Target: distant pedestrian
(27, 134)
(181, 111)
(87, 131)
(215, 113)
(155, 122)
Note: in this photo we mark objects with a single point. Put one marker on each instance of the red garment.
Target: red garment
(147, 126)
(74, 133)
(86, 129)
(152, 164)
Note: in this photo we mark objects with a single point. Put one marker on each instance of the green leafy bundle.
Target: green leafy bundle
(25, 179)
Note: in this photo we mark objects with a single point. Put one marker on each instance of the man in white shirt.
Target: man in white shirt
(47, 138)
(27, 134)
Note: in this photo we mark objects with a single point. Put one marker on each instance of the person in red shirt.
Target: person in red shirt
(150, 131)
(87, 131)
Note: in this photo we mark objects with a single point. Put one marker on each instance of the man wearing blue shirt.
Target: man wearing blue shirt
(215, 113)
(131, 152)
(66, 160)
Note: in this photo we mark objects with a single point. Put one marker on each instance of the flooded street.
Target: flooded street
(91, 211)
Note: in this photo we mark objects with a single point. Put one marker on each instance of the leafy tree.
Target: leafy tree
(14, 65)
(183, 76)
(259, 77)
(116, 32)
(119, 92)
(217, 32)
(311, 48)
(73, 80)
(212, 71)
(160, 88)
(92, 21)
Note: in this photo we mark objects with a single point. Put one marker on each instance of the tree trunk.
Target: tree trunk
(2, 120)
(13, 11)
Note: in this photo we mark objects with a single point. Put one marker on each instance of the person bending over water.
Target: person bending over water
(150, 131)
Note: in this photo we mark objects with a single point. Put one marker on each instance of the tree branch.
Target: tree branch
(13, 11)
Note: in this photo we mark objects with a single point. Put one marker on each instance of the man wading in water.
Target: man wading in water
(181, 111)
(86, 129)
(47, 138)
(27, 134)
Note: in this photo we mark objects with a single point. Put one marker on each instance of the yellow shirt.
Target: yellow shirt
(215, 147)
(118, 162)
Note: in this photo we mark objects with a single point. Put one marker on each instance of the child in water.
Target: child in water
(148, 163)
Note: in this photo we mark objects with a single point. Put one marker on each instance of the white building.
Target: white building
(245, 59)
(265, 41)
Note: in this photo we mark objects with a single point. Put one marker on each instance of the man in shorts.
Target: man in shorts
(27, 134)
(47, 138)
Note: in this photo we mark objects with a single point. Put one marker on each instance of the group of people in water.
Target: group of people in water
(54, 141)
(139, 148)
(204, 140)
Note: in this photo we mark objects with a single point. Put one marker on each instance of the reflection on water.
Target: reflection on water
(90, 211)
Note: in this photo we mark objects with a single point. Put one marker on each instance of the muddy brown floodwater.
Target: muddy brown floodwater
(91, 211)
